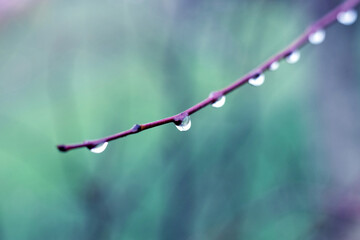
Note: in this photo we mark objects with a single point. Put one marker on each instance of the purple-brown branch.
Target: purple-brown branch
(322, 23)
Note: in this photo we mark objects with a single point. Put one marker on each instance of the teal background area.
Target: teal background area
(280, 161)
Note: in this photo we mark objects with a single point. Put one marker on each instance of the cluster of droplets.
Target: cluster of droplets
(259, 78)
(185, 123)
(317, 37)
(346, 18)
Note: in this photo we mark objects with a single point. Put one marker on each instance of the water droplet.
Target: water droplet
(348, 17)
(99, 148)
(257, 80)
(184, 125)
(274, 66)
(219, 102)
(293, 57)
(317, 37)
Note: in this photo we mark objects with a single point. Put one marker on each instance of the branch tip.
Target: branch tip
(62, 148)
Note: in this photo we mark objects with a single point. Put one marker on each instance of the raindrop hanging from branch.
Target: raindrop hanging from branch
(344, 14)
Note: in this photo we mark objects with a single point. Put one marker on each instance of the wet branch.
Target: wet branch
(177, 119)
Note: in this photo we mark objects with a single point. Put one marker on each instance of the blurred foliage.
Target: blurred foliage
(70, 71)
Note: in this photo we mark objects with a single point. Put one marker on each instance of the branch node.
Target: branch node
(136, 128)
(215, 96)
(256, 75)
(180, 117)
(90, 145)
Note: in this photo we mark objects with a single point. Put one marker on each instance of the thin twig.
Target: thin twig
(322, 23)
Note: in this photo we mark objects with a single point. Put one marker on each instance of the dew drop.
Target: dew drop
(257, 80)
(219, 102)
(317, 37)
(99, 148)
(184, 125)
(274, 66)
(348, 17)
(293, 57)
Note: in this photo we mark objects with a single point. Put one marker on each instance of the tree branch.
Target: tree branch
(321, 24)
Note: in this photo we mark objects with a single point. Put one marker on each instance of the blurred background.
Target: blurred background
(280, 161)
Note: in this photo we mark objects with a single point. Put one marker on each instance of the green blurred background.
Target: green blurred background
(280, 161)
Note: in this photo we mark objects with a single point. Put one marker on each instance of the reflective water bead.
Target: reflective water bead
(219, 102)
(99, 148)
(184, 125)
(257, 80)
(348, 17)
(317, 37)
(293, 57)
(274, 66)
